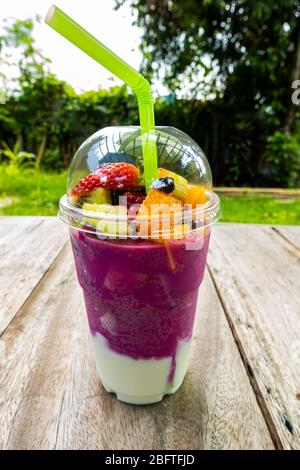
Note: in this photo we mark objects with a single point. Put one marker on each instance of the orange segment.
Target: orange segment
(196, 195)
(161, 208)
(159, 203)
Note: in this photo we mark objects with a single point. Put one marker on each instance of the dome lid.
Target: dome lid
(176, 151)
(180, 160)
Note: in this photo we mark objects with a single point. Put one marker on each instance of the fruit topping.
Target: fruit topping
(195, 195)
(180, 182)
(115, 196)
(106, 224)
(165, 184)
(115, 193)
(119, 176)
(134, 197)
(85, 186)
(113, 176)
(157, 214)
(158, 202)
(99, 196)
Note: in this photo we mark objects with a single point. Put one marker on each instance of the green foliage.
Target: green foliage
(240, 45)
(283, 159)
(17, 159)
(235, 146)
(241, 56)
(51, 120)
(44, 114)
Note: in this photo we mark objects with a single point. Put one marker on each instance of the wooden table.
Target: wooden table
(242, 390)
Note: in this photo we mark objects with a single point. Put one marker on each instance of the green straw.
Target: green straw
(72, 31)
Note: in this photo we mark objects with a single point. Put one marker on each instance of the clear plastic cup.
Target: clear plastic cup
(141, 287)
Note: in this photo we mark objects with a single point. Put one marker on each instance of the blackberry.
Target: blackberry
(115, 194)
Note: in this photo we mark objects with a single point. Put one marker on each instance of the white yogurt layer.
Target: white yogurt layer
(139, 381)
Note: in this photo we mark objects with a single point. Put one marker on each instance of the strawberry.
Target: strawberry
(112, 176)
(118, 176)
(86, 185)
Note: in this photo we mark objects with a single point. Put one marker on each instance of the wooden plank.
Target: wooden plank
(291, 233)
(28, 246)
(52, 397)
(258, 277)
(11, 228)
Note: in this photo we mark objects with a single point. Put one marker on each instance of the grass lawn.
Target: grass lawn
(31, 194)
(260, 209)
(38, 194)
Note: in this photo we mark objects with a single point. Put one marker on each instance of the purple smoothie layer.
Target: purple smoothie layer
(139, 300)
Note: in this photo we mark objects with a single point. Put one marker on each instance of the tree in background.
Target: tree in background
(238, 58)
(28, 85)
(244, 54)
(44, 115)
(20, 59)
(250, 48)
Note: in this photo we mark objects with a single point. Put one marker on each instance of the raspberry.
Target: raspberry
(134, 197)
(113, 176)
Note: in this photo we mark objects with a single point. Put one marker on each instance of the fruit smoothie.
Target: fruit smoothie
(140, 299)
(140, 252)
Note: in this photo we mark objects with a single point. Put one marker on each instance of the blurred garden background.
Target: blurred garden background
(229, 69)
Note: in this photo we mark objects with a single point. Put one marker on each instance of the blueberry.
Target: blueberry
(164, 184)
